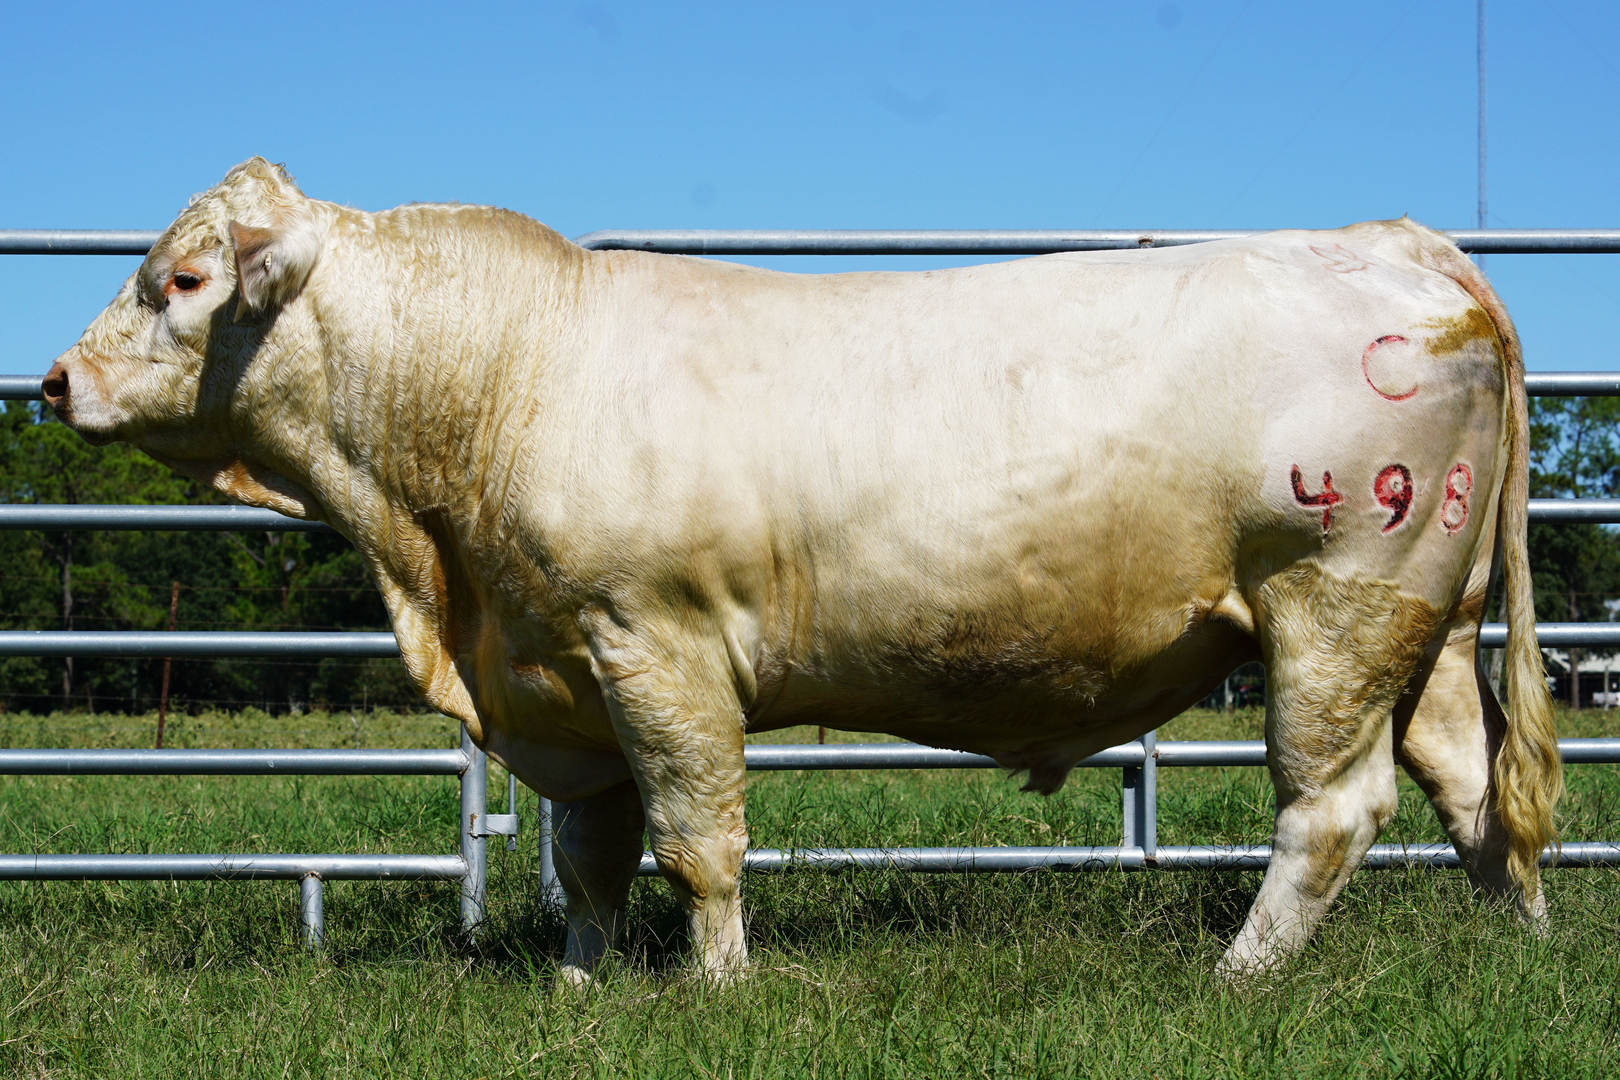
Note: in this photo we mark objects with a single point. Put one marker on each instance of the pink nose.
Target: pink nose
(55, 385)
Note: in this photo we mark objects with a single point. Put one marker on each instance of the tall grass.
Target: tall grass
(861, 974)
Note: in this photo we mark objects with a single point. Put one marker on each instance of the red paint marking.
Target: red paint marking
(1393, 490)
(1454, 511)
(1327, 499)
(1340, 259)
(1367, 354)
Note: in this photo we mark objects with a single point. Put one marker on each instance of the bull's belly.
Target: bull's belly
(1043, 719)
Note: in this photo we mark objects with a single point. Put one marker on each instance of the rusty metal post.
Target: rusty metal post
(163, 699)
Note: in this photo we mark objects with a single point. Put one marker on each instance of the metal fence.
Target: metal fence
(466, 867)
(1139, 761)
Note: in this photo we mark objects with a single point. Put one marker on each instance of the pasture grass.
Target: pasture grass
(860, 974)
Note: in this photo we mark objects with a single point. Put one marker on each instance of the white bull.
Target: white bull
(625, 508)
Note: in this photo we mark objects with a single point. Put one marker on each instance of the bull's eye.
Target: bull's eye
(185, 281)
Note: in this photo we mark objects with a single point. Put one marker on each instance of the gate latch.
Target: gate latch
(493, 825)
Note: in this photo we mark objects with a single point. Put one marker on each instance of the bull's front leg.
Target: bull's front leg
(676, 707)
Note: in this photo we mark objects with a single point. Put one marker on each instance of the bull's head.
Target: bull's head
(166, 364)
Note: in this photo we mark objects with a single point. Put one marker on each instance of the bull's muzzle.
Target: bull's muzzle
(56, 387)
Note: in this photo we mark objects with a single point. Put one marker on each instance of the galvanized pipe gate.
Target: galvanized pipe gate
(1139, 761)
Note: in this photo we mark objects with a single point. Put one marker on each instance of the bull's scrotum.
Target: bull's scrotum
(624, 508)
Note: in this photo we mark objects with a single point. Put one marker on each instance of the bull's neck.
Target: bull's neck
(444, 324)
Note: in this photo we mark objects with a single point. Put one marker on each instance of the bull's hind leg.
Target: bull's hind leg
(1448, 729)
(1338, 654)
(677, 711)
(597, 847)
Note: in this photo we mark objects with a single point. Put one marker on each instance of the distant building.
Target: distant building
(1599, 676)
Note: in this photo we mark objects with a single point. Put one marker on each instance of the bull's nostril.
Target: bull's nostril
(55, 385)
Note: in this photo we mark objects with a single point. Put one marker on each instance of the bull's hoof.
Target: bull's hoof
(719, 977)
(574, 979)
(1533, 912)
(729, 975)
(1236, 969)
(721, 967)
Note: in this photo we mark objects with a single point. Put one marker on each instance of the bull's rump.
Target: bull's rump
(1032, 484)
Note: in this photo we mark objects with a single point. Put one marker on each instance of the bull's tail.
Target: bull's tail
(1529, 772)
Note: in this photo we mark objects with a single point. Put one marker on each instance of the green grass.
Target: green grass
(856, 974)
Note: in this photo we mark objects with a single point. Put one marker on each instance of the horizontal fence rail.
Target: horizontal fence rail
(192, 643)
(230, 867)
(816, 757)
(233, 762)
(359, 644)
(77, 241)
(1032, 241)
(1572, 383)
(1575, 511)
(117, 517)
(869, 241)
(881, 756)
(1556, 635)
(760, 757)
(1017, 860)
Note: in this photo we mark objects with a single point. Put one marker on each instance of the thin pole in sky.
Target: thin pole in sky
(1482, 211)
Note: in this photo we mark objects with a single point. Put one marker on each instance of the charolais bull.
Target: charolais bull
(626, 508)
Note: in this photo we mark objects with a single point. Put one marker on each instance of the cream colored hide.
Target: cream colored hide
(625, 508)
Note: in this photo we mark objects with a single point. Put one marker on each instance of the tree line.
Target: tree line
(1575, 453)
(316, 581)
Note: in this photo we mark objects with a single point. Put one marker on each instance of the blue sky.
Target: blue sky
(835, 115)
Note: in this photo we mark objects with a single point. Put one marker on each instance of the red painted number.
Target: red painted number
(1393, 490)
(1459, 485)
(1327, 499)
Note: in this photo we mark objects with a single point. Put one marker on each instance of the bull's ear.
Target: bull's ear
(272, 264)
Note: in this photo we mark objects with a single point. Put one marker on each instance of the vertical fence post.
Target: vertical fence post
(1141, 794)
(474, 793)
(550, 888)
(312, 910)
